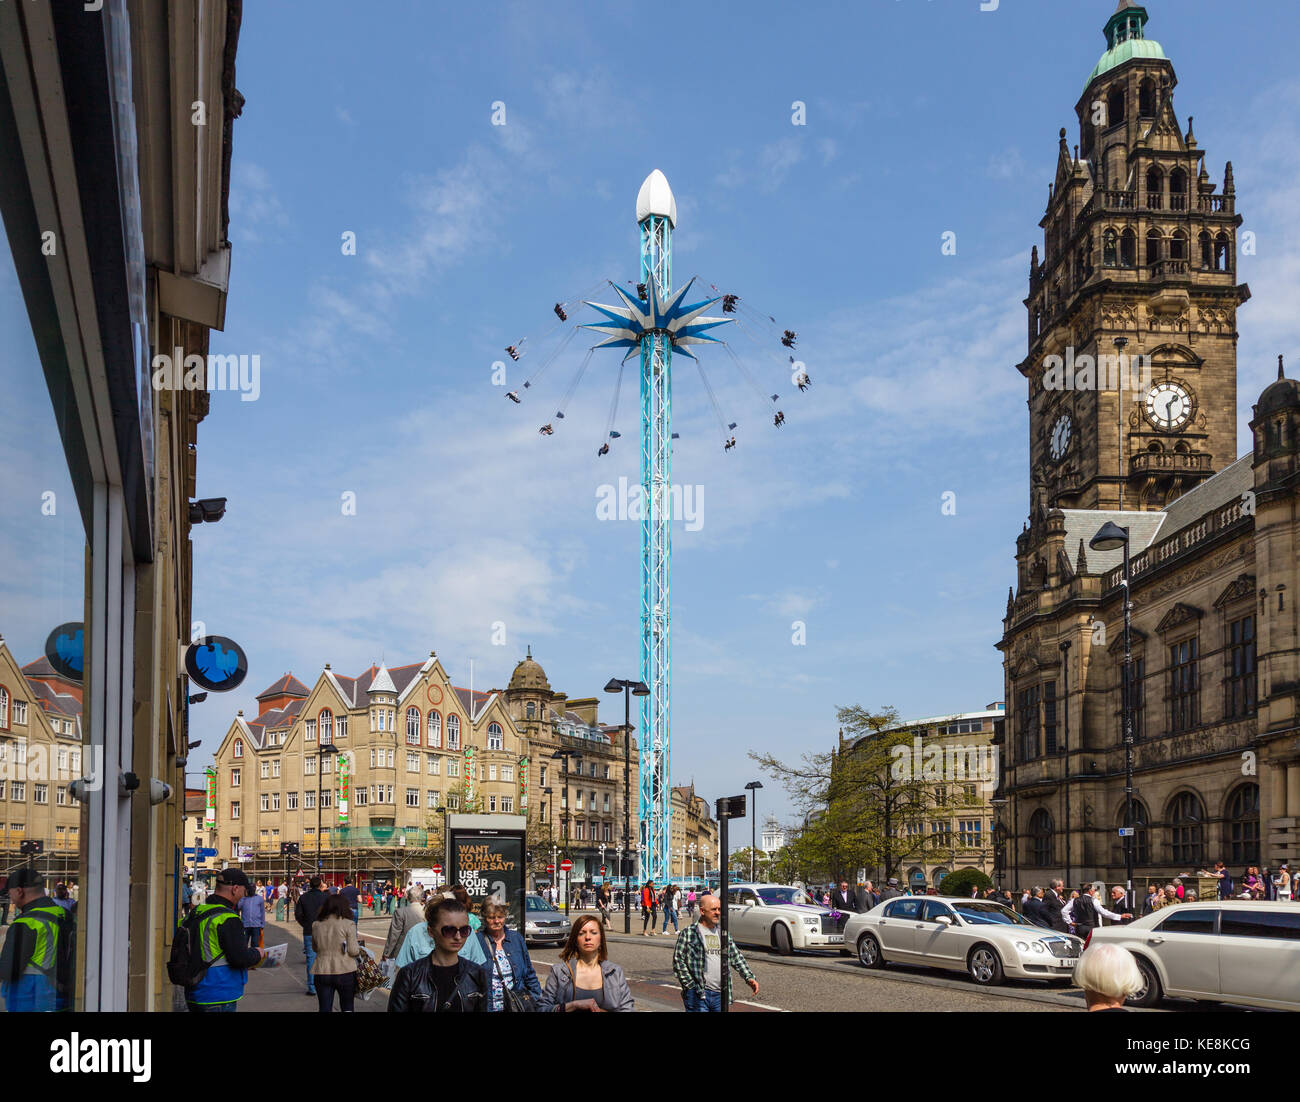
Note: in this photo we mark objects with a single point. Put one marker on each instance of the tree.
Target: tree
(860, 809)
(738, 864)
(959, 883)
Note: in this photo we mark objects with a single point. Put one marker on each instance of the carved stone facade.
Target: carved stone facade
(1213, 541)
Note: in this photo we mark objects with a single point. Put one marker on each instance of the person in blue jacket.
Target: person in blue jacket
(223, 946)
(506, 956)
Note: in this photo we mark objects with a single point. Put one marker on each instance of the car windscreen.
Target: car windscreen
(782, 895)
(979, 913)
(537, 903)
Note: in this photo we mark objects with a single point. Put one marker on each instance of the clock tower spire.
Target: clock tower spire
(1132, 310)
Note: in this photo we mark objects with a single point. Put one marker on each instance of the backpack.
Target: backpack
(185, 966)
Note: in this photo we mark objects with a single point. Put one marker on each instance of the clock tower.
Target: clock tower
(1133, 303)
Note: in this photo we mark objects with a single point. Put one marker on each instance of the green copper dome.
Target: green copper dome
(1126, 39)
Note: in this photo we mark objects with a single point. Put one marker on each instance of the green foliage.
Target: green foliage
(854, 802)
(960, 882)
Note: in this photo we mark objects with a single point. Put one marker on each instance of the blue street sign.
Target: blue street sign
(188, 849)
(205, 852)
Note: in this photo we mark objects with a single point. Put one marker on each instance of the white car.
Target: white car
(1222, 950)
(977, 936)
(782, 917)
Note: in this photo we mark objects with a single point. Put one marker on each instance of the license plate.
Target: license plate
(833, 938)
(1068, 962)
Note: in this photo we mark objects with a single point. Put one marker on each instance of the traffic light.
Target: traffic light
(31, 847)
(288, 849)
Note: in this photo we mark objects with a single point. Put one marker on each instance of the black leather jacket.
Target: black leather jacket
(414, 992)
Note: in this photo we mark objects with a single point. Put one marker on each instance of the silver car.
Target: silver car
(1222, 950)
(543, 924)
(984, 939)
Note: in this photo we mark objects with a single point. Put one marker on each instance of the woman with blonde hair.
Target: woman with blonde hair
(1108, 974)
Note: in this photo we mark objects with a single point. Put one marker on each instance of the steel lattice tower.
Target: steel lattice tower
(655, 327)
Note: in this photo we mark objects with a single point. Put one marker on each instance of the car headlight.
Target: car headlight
(531, 927)
(1039, 947)
(1023, 946)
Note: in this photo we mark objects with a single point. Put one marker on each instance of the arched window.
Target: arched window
(496, 740)
(1178, 246)
(1147, 99)
(1128, 249)
(435, 729)
(1154, 447)
(239, 747)
(1154, 240)
(1187, 830)
(1207, 250)
(453, 732)
(1110, 249)
(1155, 188)
(413, 726)
(326, 727)
(1115, 106)
(530, 710)
(1222, 261)
(1243, 825)
(1040, 838)
(1178, 190)
(4, 708)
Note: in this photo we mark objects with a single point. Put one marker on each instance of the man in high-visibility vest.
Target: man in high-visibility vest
(29, 979)
(223, 946)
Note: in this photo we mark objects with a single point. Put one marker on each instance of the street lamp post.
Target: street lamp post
(324, 751)
(753, 787)
(1065, 707)
(1109, 537)
(628, 688)
(565, 754)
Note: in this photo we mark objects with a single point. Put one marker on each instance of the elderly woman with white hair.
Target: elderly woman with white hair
(1108, 974)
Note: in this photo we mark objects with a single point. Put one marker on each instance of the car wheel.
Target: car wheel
(869, 952)
(1150, 992)
(984, 966)
(781, 939)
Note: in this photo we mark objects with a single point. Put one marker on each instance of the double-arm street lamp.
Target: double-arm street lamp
(565, 753)
(325, 751)
(1108, 538)
(628, 689)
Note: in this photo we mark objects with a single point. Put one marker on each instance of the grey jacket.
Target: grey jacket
(406, 918)
(559, 988)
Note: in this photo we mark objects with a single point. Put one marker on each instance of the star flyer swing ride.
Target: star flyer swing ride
(655, 322)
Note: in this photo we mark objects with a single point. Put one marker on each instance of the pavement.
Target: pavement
(282, 990)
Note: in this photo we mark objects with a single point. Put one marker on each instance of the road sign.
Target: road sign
(437, 870)
(603, 870)
(566, 865)
(550, 868)
(205, 851)
(1127, 832)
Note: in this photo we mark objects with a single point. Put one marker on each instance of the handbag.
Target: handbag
(370, 976)
(515, 1002)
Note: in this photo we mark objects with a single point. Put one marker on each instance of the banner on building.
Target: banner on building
(210, 810)
(345, 788)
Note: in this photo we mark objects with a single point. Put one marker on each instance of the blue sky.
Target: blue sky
(922, 117)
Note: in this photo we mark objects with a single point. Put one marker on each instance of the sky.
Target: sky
(821, 570)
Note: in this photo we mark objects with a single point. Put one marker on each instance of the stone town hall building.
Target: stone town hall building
(1139, 258)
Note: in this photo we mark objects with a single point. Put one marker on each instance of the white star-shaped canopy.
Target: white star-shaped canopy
(684, 324)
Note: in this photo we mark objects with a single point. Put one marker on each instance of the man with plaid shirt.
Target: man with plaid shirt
(697, 960)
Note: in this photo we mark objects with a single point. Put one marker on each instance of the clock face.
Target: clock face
(1169, 406)
(1060, 441)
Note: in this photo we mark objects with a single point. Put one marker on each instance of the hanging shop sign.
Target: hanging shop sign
(216, 663)
(65, 650)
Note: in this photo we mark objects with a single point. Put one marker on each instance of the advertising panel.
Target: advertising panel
(486, 854)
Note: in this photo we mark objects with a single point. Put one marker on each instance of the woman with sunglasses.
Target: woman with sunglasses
(585, 979)
(444, 981)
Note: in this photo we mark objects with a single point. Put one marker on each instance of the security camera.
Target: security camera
(182, 761)
(79, 789)
(159, 791)
(127, 783)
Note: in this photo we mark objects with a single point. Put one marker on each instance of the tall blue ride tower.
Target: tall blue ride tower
(656, 325)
